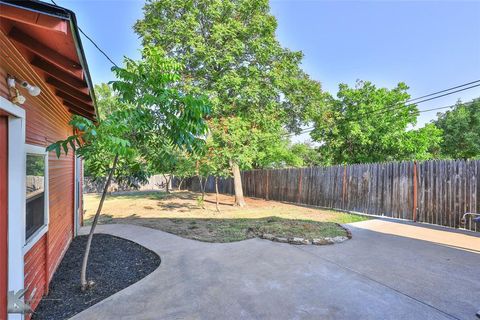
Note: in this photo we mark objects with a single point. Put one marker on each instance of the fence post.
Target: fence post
(415, 191)
(266, 188)
(344, 185)
(299, 185)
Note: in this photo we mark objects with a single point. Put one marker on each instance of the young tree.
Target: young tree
(155, 110)
(461, 131)
(185, 167)
(215, 162)
(369, 124)
(230, 53)
(103, 144)
(130, 171)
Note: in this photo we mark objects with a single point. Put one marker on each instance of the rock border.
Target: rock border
(304, 241)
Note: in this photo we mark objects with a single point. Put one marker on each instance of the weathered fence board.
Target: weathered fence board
(437, 192)
(156, 182)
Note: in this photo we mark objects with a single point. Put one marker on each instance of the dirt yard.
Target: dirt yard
(183, 214)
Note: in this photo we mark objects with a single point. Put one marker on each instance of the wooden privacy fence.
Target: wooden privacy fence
(437, 192)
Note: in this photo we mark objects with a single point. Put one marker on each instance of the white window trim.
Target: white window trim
(16, 196)
(34, 238)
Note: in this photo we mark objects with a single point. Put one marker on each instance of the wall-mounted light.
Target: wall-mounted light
(16, 97)
(32, 90)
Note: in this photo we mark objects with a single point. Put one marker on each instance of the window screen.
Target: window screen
(35, 183)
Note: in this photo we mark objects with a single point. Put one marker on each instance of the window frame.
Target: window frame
(37, 235)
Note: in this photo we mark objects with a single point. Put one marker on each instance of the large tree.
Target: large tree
(230, 52)
(370, 124)
(461, 131)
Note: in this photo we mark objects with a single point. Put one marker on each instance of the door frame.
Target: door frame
(77, 196)
(16, 196)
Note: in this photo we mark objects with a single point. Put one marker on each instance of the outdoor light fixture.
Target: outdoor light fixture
(32, 90)
(16, 97)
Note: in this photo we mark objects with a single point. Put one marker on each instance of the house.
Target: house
(44, 80)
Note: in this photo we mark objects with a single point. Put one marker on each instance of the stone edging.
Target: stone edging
(317, 242)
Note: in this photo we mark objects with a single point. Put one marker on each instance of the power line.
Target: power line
(418, 112)
(96, 46)
(93, 42)
(446, 107)
(425, 100)
(445, 90)
(391, 108)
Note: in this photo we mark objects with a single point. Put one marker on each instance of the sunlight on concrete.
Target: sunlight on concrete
(449, 238)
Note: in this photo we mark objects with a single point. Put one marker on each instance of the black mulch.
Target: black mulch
(114, 264)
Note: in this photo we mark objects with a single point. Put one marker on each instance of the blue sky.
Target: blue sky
(430, 45)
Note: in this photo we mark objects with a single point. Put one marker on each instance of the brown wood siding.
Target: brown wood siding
(46, 122)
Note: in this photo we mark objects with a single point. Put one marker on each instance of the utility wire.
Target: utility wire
(445, 90)
(418, 112)
(391, 108)
(93, 42)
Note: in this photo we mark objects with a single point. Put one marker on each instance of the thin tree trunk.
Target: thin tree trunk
(204, 189)
(180, 184)
(167, 184)
(237, 183)
(202, 186)
(216, 194)
(83, 275)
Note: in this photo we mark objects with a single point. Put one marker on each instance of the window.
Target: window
(36, 219)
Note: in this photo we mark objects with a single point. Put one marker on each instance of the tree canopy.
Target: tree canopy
(307, 154)
(230, 53)
(370, 124)
(461, 131)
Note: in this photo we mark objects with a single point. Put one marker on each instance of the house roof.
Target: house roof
(48, 37)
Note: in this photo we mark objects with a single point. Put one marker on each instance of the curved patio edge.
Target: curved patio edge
(256, 279)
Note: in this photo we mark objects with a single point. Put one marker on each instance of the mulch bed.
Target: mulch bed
(114, 264)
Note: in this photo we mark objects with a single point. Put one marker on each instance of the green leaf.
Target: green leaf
(65, 147)
(57, 150)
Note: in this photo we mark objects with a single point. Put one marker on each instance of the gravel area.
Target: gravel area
(114, 264)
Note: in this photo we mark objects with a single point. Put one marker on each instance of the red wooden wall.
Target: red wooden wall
(46, 122)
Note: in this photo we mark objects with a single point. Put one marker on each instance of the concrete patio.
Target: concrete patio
(389, 270)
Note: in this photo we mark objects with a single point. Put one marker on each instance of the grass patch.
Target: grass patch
(178, 213)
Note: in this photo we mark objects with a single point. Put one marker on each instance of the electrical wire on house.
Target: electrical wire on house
(93, 42)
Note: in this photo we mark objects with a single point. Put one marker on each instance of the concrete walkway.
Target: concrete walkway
(384, 272)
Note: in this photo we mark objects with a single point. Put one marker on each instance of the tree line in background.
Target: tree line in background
(260, 96)
(215, 93)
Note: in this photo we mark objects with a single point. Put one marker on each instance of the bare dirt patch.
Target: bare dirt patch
(182, 214)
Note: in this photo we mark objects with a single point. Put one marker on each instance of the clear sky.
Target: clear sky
(429, 45)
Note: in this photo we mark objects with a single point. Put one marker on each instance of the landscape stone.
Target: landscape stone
(322, 241)
(268, 236)
(296, 240)
(281, 239)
